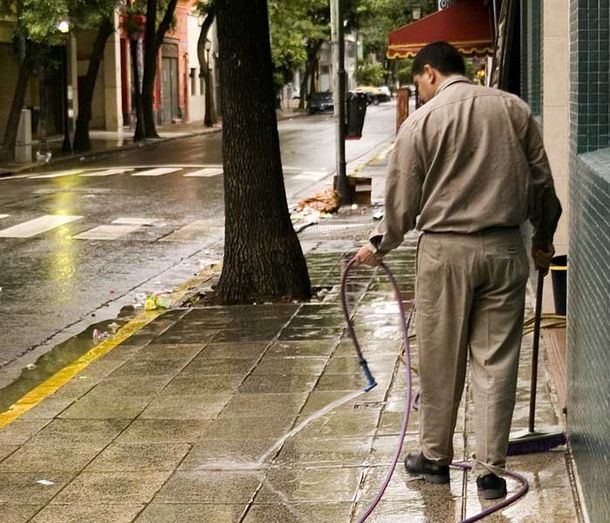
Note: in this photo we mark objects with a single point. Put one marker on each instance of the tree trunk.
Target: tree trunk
(263, 260)
(137, 95)
(310, 71)
(153, 38)
(150, 69)
(312, 78)
(12, 125)
(210, 117)
(303, 86)
(85, 96)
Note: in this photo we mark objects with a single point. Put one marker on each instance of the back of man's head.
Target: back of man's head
(442, 56)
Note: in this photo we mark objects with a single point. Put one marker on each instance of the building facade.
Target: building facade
(566, 60)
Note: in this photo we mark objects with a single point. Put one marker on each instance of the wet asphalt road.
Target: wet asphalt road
(56, 282)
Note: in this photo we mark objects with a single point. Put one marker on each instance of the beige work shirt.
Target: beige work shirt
(470, 159)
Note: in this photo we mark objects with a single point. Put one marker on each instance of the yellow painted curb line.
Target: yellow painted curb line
(60, 378)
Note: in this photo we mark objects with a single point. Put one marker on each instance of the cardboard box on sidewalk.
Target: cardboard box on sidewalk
(359, 188)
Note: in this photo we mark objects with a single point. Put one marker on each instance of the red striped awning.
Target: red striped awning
(467, 25)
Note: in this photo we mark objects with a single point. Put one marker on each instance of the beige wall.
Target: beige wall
(556, 110)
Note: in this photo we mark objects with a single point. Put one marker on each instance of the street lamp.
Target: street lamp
(208, 121)
(416, 12)
(64, 27)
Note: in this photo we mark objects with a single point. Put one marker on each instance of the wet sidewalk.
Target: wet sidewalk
(187, 419)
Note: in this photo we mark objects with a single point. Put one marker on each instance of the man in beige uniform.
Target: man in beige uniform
(468, 168)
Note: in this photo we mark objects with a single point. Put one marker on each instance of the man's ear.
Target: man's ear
(430, 73)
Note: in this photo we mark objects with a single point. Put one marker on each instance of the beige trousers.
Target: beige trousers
(470, 298)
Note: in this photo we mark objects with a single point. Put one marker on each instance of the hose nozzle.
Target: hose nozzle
(369, 376)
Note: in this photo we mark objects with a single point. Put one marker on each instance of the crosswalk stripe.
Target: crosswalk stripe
(58, 174)
(159, 171)
(194, 231)
(107, 172)
(37, 226)
(106, 232)
(205, 173)
(135, 221)
(4, 216)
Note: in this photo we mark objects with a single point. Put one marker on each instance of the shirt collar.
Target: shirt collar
(453, 79)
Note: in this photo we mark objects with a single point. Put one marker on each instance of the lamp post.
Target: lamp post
(64, 28)
(416, 12)
(339, 96)
(208, 119)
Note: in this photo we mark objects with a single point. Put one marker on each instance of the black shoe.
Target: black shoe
(418, 465)
(491, 486)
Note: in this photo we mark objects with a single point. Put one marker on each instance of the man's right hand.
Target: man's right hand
(542, 253)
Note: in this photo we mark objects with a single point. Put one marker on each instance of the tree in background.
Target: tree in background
(153, 39)
(298, 30)
(35, 28)
(100, 14)
(263, 260)
(207, 8)
(370, 73)
(376, 18)
(133, 25)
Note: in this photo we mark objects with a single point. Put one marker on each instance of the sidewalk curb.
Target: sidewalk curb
(91, 155)
(147, 142)
(64, 375)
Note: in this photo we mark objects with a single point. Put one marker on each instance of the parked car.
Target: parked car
(321, 102)
(386, 92)
(374, 95)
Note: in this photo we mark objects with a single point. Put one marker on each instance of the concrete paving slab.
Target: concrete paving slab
(193, 383)
(192, 513)
(7, 450)
(98, 513)
(301, 348)
(96, 432)
(298, 513)
(225, 454)
(309, 485)
(406, 488)
(431, 510)
(540, 505)
(98, 406)
(134, 457)
(51, 457)
(164, 431)
(204, 366)
(21, 430)
(12, 513)
(112, 487)
(247, 428)
(19, 488)
(48, 409)
(342, 424)
(278, 383)
(192, 406)
(246, 405)
(170, 351)
(288, 366)
(321, 452)
(209, 487)
(247, 350)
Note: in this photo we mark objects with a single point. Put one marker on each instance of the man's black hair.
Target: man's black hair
(442, 56)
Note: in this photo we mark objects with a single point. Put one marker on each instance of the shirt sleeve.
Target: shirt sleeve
(544, 206)
(403, 191)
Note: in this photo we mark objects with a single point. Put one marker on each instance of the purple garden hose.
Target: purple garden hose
(405, 321)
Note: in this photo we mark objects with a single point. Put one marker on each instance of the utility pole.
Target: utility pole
(338, 39)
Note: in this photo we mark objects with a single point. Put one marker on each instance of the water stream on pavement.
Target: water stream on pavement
(260, 463)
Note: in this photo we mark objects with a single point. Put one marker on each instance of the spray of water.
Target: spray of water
(260, 463)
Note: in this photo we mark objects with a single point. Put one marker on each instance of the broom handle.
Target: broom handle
(535, 349)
